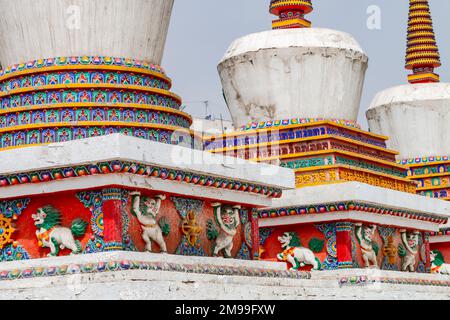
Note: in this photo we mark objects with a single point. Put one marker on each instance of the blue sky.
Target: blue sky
(201, 31)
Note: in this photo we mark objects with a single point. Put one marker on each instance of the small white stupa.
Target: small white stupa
(416, 116)
(296, 72)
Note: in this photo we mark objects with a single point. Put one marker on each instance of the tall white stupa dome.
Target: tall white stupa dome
(293, 71)
(40, 29)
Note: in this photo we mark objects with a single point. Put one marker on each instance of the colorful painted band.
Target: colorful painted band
(424, 160)
(364, 280)
(241, 138)
(123, 113)
(138, 169)
(295, 121)
(125, 265)
(349, 206)
(84, 77)
(39, 134)
(110, 93)
(78, 61)
(339, 173)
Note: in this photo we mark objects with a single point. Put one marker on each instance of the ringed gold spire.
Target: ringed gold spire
(291, 13)
(422, 54)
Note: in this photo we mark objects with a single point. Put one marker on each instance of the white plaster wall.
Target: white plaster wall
(415, 117)
(35, 29)
(162, 285)
(212, 127)
(283, 74)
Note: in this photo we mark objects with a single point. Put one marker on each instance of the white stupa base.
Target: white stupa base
(139, 284)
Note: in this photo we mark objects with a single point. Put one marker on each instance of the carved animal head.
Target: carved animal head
(227, 215)
(289, 240)
(47, 217)
(148, 206)
(368, 233)
(436, 257)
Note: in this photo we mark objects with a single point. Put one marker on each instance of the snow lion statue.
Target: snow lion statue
(295, 254)
(51, 234)
(438, 264)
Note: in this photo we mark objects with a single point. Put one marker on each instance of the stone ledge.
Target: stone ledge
(130, 149)
(123, 261)
(172, 277)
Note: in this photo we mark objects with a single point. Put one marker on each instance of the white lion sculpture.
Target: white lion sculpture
(437, 263)
(296, 255)
(51, 234)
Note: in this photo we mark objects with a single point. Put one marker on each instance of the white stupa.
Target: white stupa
(293, 72)
(416, 116)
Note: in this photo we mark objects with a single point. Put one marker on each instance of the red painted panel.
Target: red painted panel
(306, 233)
(71, 209)
(112, 221)
(344, 246)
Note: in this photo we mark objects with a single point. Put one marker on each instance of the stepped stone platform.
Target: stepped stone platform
(131, 275)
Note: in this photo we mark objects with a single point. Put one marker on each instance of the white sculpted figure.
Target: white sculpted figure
(146, 210)
(227, 218)
(365, 234)
(437, 263)
(411, 242)
(295, 254)
(51, 234)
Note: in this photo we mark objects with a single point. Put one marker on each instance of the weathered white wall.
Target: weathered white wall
(415, 117)
(35, 29)
(281, 74)
(212, 127)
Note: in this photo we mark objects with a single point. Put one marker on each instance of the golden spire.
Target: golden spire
(422, 54)
(291, 13)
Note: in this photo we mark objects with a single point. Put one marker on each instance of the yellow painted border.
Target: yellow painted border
(288, 141)
(433, 188)
(294, 126)
(429, 176)
(98, 124)
(333, 151)
(299, 186)
(97, 105)
(289, 22)
(340, 166)
(427, 164)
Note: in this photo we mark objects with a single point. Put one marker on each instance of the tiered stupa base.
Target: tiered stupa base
(116, 192)
(145, 276)
(63, 99)
(320, 151)
(354, 206)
